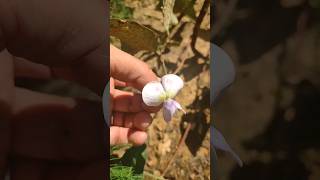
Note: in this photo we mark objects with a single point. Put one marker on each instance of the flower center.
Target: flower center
(165, 96)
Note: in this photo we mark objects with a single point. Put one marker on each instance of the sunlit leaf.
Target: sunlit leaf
(134, 37)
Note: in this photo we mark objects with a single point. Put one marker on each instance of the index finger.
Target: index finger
(127, 68)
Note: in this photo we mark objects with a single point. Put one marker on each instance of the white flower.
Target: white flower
(156, 93)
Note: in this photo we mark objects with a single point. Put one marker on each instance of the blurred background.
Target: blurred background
(271, 114)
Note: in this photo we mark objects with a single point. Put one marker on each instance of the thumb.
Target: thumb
(129, 69)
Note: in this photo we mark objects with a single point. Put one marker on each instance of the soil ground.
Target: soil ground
(192, 160)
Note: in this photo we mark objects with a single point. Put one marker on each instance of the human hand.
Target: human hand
(45, 136)
(130, 116)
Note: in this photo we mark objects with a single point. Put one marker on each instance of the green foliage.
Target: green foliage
(119, 10)
(130, 165)
(118, 172)
(135, 157)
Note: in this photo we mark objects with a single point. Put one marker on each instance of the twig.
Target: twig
(182, 139)
(181, 142)
(197, 25)
(164, 66)
(183, 60)
(171, 35)
(167, 40)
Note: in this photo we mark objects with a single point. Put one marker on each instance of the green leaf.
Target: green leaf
(134, 37)
(135, 157)
(119, 10)
(118, 172)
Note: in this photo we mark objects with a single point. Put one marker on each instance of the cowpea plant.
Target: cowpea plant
(223, 74)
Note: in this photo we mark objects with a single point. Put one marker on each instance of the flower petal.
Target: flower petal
(172, 84)
(218, 141)
(178, 106)
(167, 114)
(169, 108)
(153, 94)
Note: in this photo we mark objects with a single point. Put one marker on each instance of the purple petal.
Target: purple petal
(218, 141)
(167, 114)
(178, 106)
(169, 108)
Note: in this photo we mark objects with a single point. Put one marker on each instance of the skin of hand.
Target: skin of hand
(45, 136)
(130, 115)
